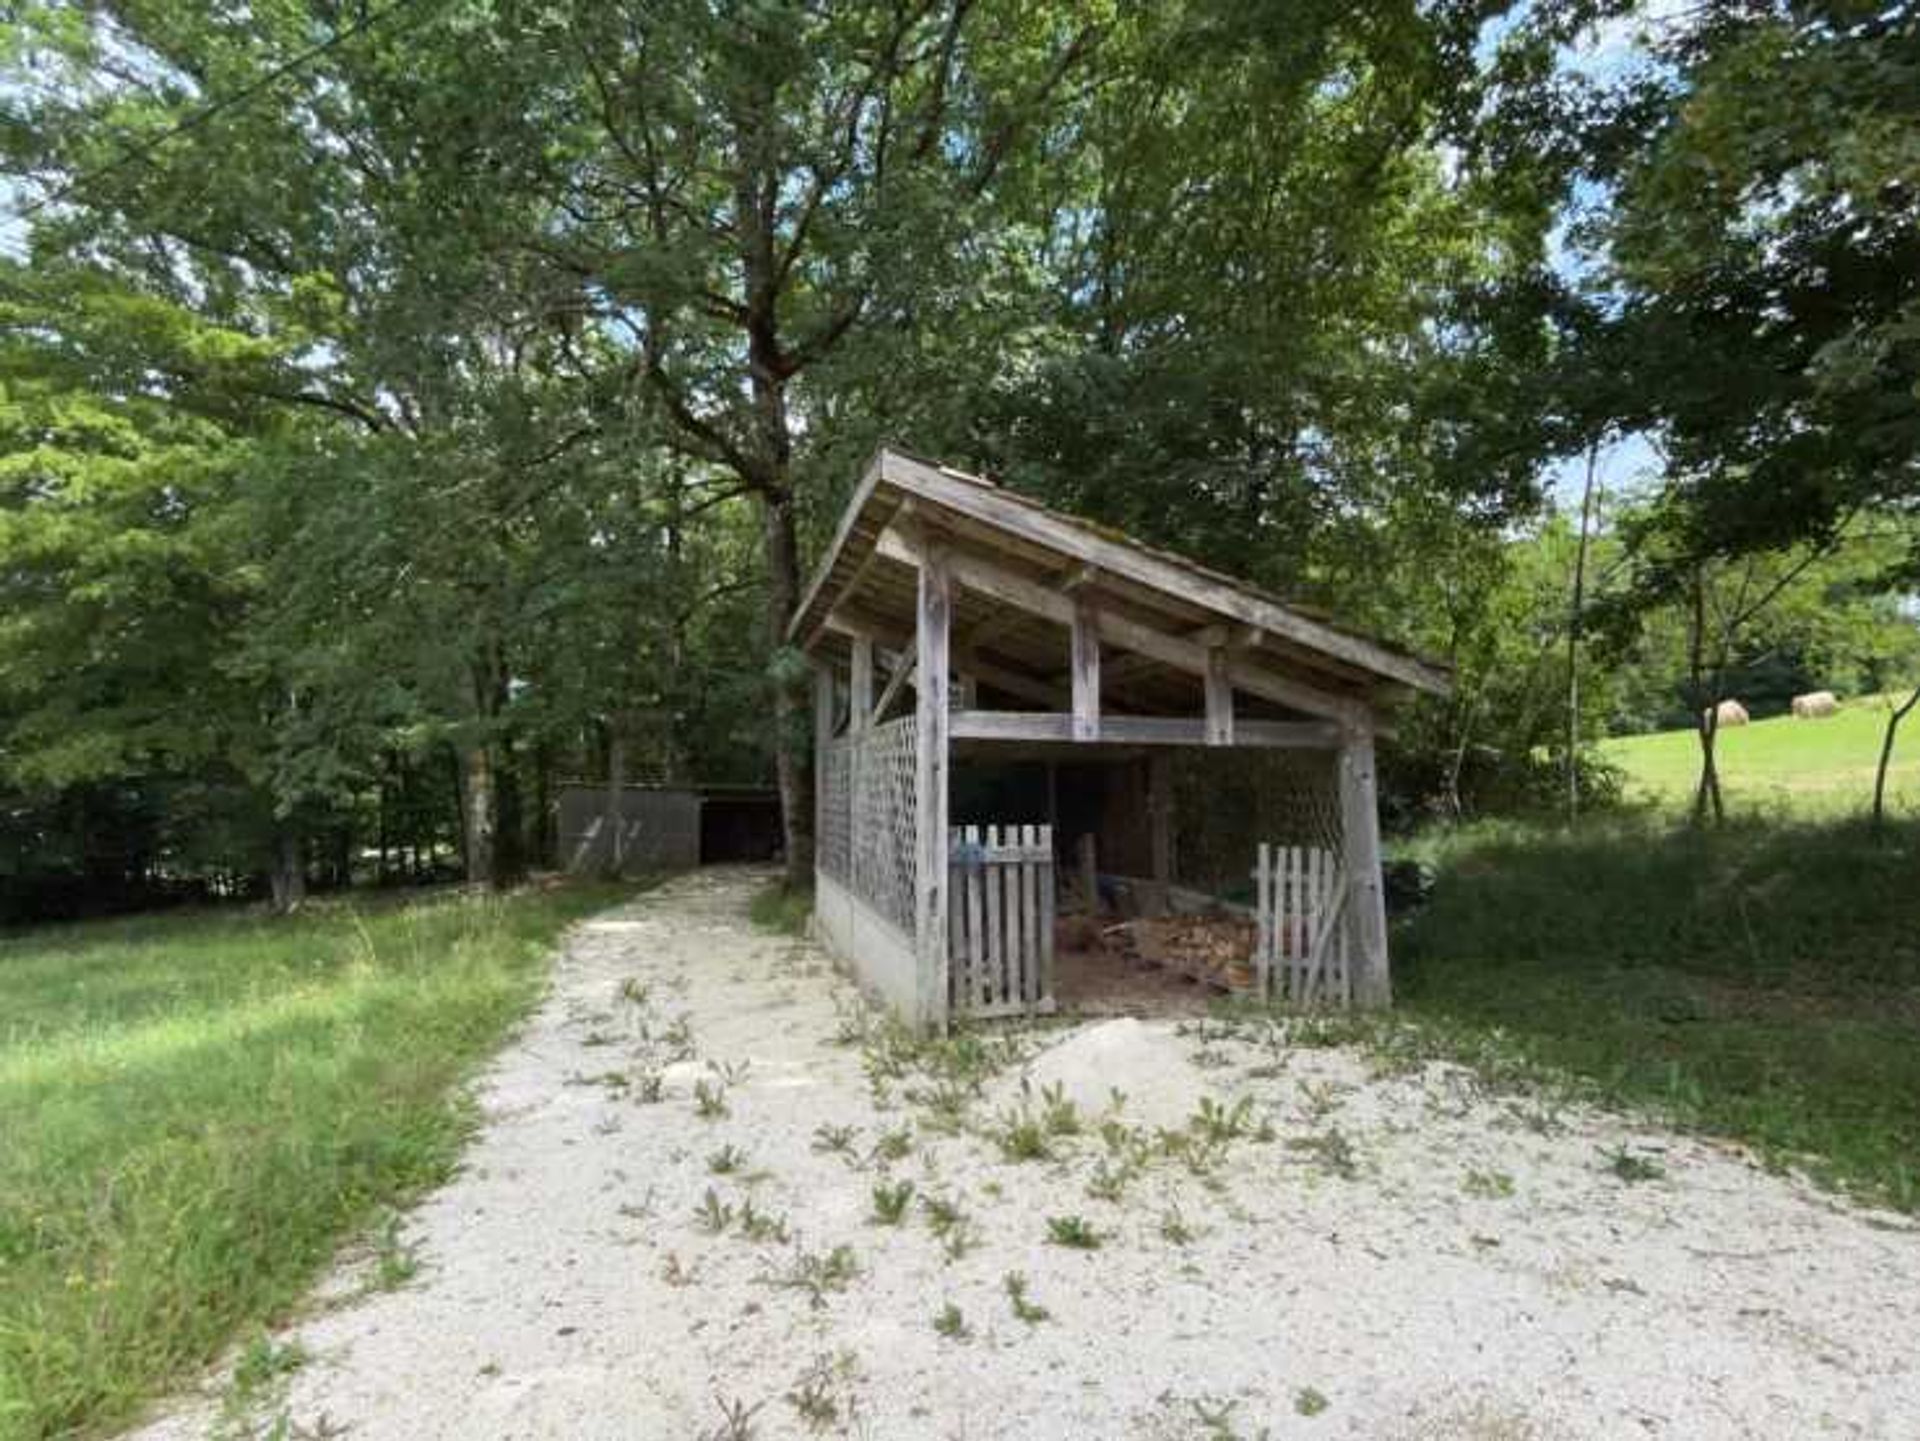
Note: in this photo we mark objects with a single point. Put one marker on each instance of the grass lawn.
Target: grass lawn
(1760, 981)
(1820, 768)
(198, 1108)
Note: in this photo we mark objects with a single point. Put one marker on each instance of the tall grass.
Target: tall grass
(195, 1110)
(1761, 980)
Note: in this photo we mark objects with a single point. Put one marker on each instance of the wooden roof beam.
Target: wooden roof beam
(988, 577)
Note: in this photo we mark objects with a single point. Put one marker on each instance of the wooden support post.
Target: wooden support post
(1366, 900)
(1160, 826)
(822, 708)
(860, 703)
(932, 641)
(1086, 670)
(1090, 875)
(1219, 691)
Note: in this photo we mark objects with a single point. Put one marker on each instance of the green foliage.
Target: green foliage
(782, 908)
(256, 1092)
(1754, 980)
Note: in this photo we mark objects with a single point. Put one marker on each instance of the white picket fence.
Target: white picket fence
(1000, 920)
(1301, 948)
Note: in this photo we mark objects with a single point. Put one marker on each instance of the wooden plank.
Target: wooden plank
(1360, 827)
(1177, 578)
(1086, 669)
(1032, 875)
(1219, 697)
(993, 956)
(1048, 891)
(933, 633)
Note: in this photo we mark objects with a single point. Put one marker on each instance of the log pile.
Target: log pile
(1216, 950)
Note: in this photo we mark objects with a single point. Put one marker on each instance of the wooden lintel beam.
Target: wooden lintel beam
(1140, 730)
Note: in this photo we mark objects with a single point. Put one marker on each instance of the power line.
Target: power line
(149, 150)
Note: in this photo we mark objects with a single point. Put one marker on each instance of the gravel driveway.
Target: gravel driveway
(667, 1229)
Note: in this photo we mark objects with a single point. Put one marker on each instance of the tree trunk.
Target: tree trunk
(613, 820)
(1575, 613)
(479, 812)
(1886, 758)
(1706, 702)
(789, 745)
(287, 880)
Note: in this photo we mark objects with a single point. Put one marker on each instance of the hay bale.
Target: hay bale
(1729, 713)
(1815, 704)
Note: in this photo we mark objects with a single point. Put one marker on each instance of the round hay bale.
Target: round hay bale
(1815, 704)
(1730, 713)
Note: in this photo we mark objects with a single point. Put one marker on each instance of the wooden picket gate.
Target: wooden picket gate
(1301, 949)
(1000, 920)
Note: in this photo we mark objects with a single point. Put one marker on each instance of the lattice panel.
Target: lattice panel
(1227, 802)
(886, 815)
(833, 817)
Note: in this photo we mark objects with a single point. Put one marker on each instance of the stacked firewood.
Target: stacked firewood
(1214, 949)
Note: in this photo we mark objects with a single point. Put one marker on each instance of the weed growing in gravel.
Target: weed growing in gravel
(1626, 1166)
(758, 1225)
(727, 1161)
(823, 1394)
(260, 1377)
(710, 1100)
(1174, 1228)
(713, 1215)
(1330, 1151)
(648, 1087)
(1309, 1401)
(894, 1145)
(736, 1419)
(949, 1225)
(949, 1322)
(677, 1274)
(396, 1262)
(817, 1273)
(1488, 1185)
(1024, 1307)
(1216, 1418)
(1021, 1138)
(1109, 1183)
(890, 1202)
(1220, 1125)
(1060, 1116)
(831, 1140)
(635, 992)
(678, 1038)
(1074, 1232)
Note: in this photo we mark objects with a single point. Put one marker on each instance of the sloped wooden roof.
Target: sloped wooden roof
(1018, 564)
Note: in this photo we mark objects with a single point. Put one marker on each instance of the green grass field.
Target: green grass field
(1813, 768)
(1759, 980)
(197, 1110)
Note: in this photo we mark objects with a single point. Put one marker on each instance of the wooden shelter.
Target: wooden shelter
(1024, 634)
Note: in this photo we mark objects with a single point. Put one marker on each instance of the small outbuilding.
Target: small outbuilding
(652, 828)
(1049, 757)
